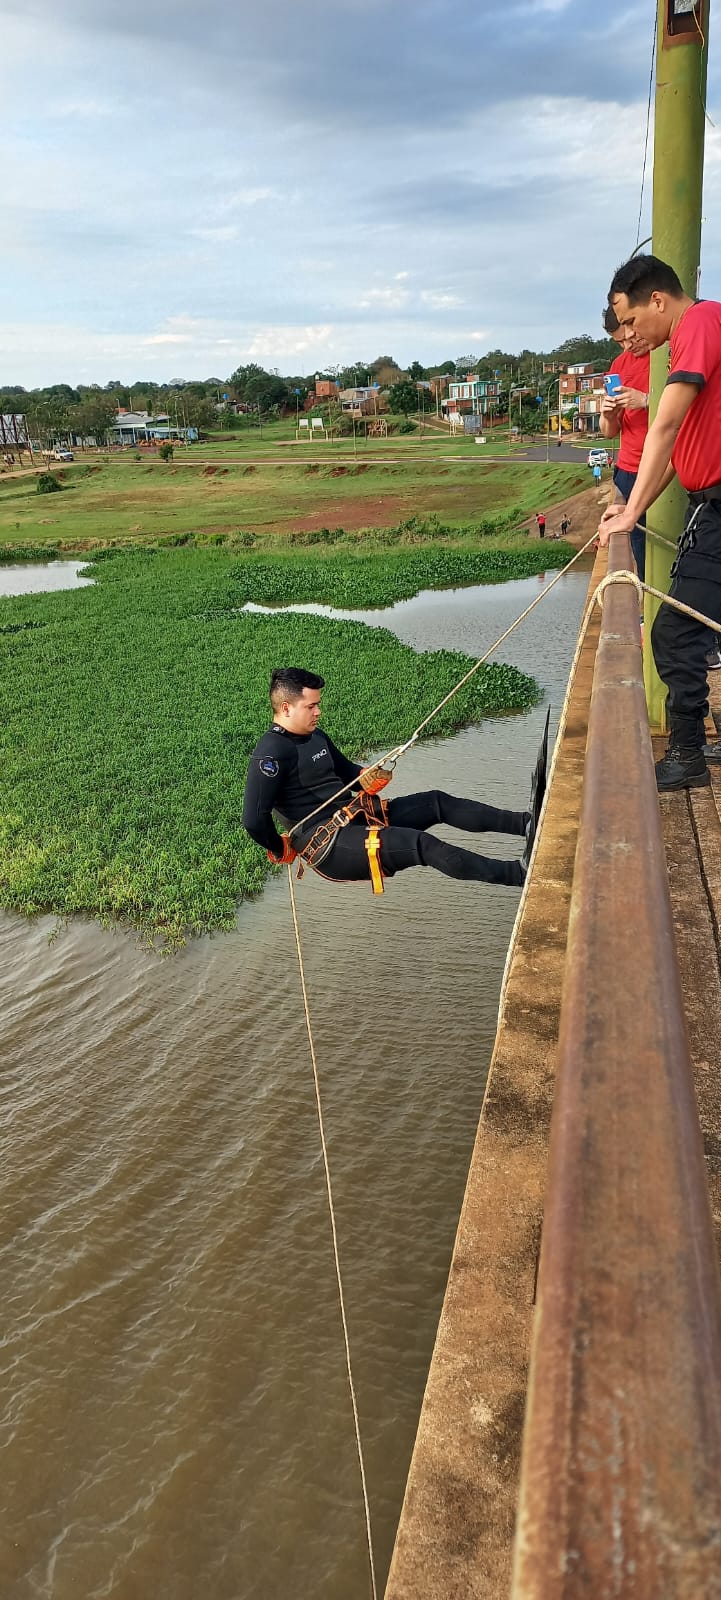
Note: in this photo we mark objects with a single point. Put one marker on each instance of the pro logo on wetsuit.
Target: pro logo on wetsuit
(269, 767)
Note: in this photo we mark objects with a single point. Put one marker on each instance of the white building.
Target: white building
(134, 427)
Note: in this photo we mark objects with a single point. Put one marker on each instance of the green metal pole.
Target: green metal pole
(681, 59)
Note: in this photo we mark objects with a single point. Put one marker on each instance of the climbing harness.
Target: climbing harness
(321, 842)
(373, 844)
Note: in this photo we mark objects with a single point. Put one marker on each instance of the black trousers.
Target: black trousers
(680, 645)
(405, 842)
(624, 482)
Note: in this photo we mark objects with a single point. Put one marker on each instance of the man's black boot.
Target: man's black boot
(538, 790)
(684, 764)
(712, 750)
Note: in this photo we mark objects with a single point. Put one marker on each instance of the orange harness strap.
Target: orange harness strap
(373, 844)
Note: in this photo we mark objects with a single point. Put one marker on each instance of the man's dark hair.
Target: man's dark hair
(643, 276)
(610, 321)
(288, 683)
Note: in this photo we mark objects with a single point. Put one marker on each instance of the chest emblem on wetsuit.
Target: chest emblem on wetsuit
(269, 766)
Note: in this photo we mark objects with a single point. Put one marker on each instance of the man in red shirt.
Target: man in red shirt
(683, 439)
(627, 413)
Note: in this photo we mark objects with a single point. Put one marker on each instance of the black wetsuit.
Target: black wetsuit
(292, 774)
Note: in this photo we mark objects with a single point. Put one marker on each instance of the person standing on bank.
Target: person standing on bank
(541, 521)
(683, 439)
(296, 768)
(626, 412)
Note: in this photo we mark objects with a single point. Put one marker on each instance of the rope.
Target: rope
(648, 124)
(703, 47)
(658, 594)
(394, 755)
(558, 741)
(617, 577)
(658, 537)
(336, 1254)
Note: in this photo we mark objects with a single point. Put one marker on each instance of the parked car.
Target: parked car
(598, 458)
(63, 455)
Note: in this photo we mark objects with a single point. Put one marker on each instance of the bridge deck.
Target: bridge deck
(456, 1529)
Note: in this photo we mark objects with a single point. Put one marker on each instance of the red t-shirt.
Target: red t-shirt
(635, 373)
(696, 358)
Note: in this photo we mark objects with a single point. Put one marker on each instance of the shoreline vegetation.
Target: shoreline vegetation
(128, 709)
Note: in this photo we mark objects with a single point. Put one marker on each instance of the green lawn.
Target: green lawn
(119, 499)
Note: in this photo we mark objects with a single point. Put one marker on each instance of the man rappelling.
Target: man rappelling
(296, 771)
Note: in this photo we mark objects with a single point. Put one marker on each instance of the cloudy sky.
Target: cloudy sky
(300, 182)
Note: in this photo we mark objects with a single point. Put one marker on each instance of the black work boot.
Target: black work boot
(684, 764)
(538, 790)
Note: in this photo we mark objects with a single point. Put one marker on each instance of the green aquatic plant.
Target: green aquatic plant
(128, 711)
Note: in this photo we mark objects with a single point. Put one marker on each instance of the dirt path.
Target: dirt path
(584, 509)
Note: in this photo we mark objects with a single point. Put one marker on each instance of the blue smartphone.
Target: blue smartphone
(612, 383)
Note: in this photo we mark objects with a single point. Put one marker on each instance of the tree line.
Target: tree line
(89, 409)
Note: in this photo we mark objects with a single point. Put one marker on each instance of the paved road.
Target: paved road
(563, 452)
(340, 455)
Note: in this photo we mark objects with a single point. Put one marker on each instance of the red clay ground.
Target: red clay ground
(456, 500)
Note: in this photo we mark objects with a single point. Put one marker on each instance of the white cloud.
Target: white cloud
(276, 344)
(248, 197)
(389, 298)
(167, 338)
(440, 300)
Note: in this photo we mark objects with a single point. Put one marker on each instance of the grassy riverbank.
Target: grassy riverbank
(126, 501)
(128, 711)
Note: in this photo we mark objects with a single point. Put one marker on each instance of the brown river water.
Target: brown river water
(175, 1415)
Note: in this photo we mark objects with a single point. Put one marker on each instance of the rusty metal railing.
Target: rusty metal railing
(621, 1472)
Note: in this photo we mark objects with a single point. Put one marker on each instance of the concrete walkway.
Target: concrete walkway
(455, 1535)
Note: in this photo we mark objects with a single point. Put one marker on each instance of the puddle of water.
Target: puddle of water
(450, 605)
(38, 577)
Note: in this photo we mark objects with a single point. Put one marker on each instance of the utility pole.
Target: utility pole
(681, 61)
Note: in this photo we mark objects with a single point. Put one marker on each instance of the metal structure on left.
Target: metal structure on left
(14, 435)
